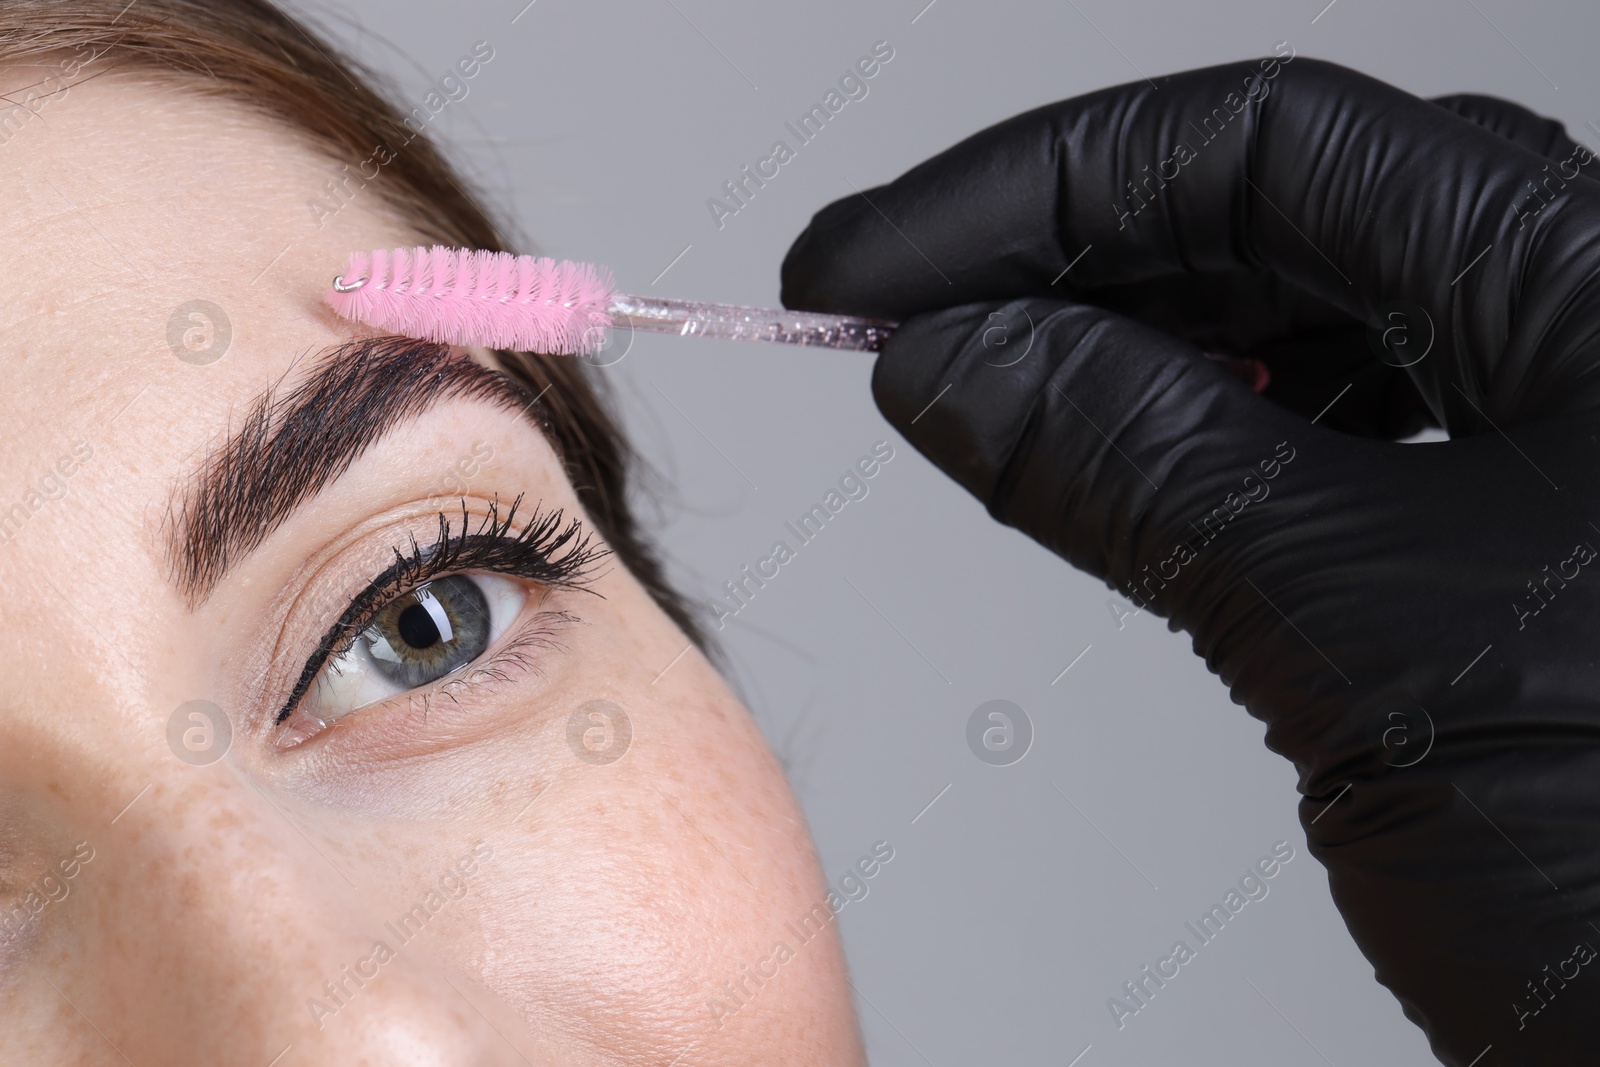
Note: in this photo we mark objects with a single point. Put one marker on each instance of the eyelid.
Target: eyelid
(547, 549)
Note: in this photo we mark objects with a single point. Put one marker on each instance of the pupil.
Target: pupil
(417, 628)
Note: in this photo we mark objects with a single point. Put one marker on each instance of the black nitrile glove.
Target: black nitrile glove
(1418, 625)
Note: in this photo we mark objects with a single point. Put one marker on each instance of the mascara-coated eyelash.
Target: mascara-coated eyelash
(546, 552)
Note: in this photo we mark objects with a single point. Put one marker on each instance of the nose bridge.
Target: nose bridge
(228, 926)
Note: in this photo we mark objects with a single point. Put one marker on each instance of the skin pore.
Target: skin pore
(605, 905)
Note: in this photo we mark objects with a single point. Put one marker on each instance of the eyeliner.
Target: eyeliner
(535, 553)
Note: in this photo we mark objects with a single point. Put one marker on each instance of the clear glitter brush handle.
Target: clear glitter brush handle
(690, 318)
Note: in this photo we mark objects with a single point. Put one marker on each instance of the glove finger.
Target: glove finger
(1097, 436)
(1311, 350)
(1312, 365)
(1239, 310)
(1346, 188)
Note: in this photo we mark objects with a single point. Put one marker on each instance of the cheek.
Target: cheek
(646, 875)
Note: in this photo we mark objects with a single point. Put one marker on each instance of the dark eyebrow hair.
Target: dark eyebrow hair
(293, 443)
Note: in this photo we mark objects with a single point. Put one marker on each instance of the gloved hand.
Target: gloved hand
(1418, 625)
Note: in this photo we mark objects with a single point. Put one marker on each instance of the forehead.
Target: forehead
(165, 261)
(166, 255)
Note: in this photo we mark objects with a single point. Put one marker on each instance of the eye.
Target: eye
(414, 639)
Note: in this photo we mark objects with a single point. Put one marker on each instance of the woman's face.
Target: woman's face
(511, 818)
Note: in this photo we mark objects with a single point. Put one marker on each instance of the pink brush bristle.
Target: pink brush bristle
(474, 297)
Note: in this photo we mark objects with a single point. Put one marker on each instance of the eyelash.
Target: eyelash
(545, 551)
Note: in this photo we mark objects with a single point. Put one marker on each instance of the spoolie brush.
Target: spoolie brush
(535, 304)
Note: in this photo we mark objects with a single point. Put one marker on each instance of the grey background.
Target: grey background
(1026, 895)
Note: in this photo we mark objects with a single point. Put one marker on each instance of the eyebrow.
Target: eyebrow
(294, 442)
